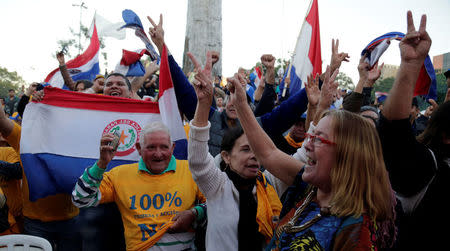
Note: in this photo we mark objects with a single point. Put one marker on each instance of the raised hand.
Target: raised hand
(415, 46)
(152, 67)
(374, 74)
(329, 88)
(236, 88)
(336, 57)
(60, 58)
(268, 61)
(366, 75)
(312, 89)
(157, 33)
(203, 80)
(433, 107)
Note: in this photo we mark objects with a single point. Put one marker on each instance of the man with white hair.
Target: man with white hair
(156, 196)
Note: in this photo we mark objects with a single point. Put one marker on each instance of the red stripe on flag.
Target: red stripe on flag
(423, 83)
(165, 79)
(82, 59)
(69, 99)
(315, 55)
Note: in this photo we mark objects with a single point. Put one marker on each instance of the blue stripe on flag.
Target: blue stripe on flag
(87, 75)
(296, 83)
(46, 176)
(432, 92)
(180, 151)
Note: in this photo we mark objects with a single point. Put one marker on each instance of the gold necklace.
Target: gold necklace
(290, 227)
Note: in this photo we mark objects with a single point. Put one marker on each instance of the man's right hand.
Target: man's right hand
(60, 57)
(268, 61)
(107, 151)
(157, 33)
(415, 46)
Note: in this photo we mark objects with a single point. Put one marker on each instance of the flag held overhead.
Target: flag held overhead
(426, 85)
(307, 56)
(83, 67)
(133, 21)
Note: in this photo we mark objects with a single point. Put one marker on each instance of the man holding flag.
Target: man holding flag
(157, 171)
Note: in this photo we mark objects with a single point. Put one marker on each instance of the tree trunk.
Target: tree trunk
(203, 32)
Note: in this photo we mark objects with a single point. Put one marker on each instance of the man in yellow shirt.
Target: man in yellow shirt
(156, 196)
(10, 180)
(53, 217)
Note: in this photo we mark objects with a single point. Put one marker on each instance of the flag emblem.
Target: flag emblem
(129, 131)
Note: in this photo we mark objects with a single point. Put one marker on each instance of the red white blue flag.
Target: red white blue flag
(133, 21)
(61, 134)
(307, 56)
(130, 64)
(426, 85)
(84, 66)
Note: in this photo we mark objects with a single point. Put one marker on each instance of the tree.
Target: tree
(345, 82)
(9, 80)
(383, 85)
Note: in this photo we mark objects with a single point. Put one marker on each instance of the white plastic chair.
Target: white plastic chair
(24, 242)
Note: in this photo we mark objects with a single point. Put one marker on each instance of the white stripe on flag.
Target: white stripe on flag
(57, 79)
(301, 62)
(65, 131)
(170, 115)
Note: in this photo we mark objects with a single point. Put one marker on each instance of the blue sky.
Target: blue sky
(251, 28)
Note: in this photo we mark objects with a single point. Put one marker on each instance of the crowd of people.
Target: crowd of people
(319, 169)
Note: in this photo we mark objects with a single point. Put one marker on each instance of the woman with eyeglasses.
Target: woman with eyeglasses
(341, 198)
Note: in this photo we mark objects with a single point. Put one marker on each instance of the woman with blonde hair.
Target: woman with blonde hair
(341, 198)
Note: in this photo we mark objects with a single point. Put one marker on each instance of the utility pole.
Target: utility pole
(203, 32)
(82, 6)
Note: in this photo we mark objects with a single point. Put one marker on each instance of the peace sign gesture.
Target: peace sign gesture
(415, 46)
(203, 81)
(336, 57)
(157, 33)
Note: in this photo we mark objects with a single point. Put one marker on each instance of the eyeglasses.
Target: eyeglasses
(317, 140)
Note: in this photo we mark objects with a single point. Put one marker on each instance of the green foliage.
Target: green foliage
(345, 82)
(9, 80)
(386, 84)
(383, 85)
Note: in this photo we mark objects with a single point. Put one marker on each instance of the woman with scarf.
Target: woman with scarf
(341, 198)
(243, 207)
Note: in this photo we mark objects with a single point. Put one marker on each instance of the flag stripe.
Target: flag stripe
(87, 62)
(46, 176)
(62, 98)
(307, 57)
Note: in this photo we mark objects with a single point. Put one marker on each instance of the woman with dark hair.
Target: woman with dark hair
(243, 207)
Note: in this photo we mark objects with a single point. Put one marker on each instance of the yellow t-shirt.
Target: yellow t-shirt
(145, 201)
(52, 208)
(11, 188)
